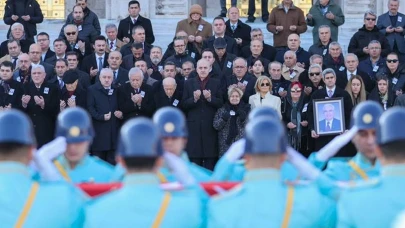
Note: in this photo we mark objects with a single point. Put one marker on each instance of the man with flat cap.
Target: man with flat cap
(74, 94)
(290, 205)
(155, 207)
(223, 59)
(383, 196)
(23, 201)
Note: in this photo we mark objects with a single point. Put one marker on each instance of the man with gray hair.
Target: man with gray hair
(329, 91)
(335, 59)
(352, 63)
(322, 46)
(269, 52)
(375, 62)
(136, 97)
(17, 33)
(391, 24)
(360, 40)
(113, 43)
(40, 102)
(291, 70)
(168, 94)
(102, 104)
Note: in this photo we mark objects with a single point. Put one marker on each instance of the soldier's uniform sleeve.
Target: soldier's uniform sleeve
(317, 163)
(344, 216)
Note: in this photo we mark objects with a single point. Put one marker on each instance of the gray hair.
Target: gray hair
(315, 56)
(290, 52)
(324, 26)
(158, 47)
(329, 105)
(275, 62)
(374, 42)
(334, 43)
(255, 30)
(169, 81)
(16, 25)
(393, 1)
(237, 58)
(38, 66)
(235, 89)
(106, 70)
(134, 71)
(314, 66)
(371, 12)
(352, 55)
(71, 25)
(111, 25)
(328, 71)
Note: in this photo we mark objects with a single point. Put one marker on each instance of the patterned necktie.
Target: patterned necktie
(100, 63)
(233, 27)
(61, 84)
(328, 126)
(330, 93)
(115, 74)
(134, 21)
(111, 45)
(14, 62)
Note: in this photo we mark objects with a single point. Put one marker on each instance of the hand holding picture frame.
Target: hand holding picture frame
(329, 116)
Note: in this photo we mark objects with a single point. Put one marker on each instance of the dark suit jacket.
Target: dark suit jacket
(88, 49)
(129, 61)
(242, 31)
(225, 65)
(367, 66)
(269, 52)
(89, 62)
(49, 70)
(14, 94)
(25, 46)
(162, 100)
(126, 25)
(122, 77)
(202, 140)
(231, 79)
(231, 47)
(48, 55)
(178, 60)
(43, 119)
(347, 105)
(341, 79)
(51, 60)
(265, 63)
(98, 104)
(383, 22)
(80, 96)
(302, 56)
(127, 106)
(335, 125)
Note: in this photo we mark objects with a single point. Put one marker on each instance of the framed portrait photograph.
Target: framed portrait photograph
(329, 116)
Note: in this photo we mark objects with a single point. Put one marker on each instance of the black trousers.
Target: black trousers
(208, 163)
(106, 155)
(252, 10)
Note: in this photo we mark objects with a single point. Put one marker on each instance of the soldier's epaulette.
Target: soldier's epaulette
(360, 184)
(233, 191)
(171, 186)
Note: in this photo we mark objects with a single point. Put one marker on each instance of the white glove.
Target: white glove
(179, 169)
(236, 150)
(304, 167)
(45, 155)
(335, 145)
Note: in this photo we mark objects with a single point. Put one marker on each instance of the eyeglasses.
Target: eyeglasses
(71, 33)
(314, 73)
(370, 19)
(265, 84)
(296, 90)
(392, 60)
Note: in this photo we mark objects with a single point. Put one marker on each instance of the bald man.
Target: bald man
(201, 99)
(168, 94)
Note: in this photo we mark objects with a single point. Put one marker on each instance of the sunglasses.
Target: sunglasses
(265, 84)
(392, 60)
(296, 90)
(314, 73)
(370, 19)
(71, 33)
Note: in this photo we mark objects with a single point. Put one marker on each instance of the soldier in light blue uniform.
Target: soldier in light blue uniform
(24, 202)
(232, 168)
(263, 199)
(379, 204)
(141, 202)
(76, 165)
(364, 165)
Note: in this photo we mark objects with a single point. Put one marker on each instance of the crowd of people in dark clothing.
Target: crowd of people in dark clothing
(214, 72)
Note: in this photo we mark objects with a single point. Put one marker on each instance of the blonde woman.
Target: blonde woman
(263, 96)
(356, 90)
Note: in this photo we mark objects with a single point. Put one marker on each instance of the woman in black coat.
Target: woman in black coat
(230, 120)
(383, 93)
(295, 117)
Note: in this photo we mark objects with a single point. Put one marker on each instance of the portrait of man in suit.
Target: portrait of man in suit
(329, 118)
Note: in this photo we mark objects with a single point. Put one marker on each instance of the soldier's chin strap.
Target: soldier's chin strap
(44, 156)
(179, 169)
(335, 145)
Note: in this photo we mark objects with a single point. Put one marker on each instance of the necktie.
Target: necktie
(233, 27)
(14, 62)
(111, 45)
(61, 84)
(100, 63)
(291, 71)
(6, 87)
(330, 93)
(115, 74)
(328, 126)
(134, 21)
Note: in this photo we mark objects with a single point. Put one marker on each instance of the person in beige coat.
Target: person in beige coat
(197, 28)
(263, 96)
